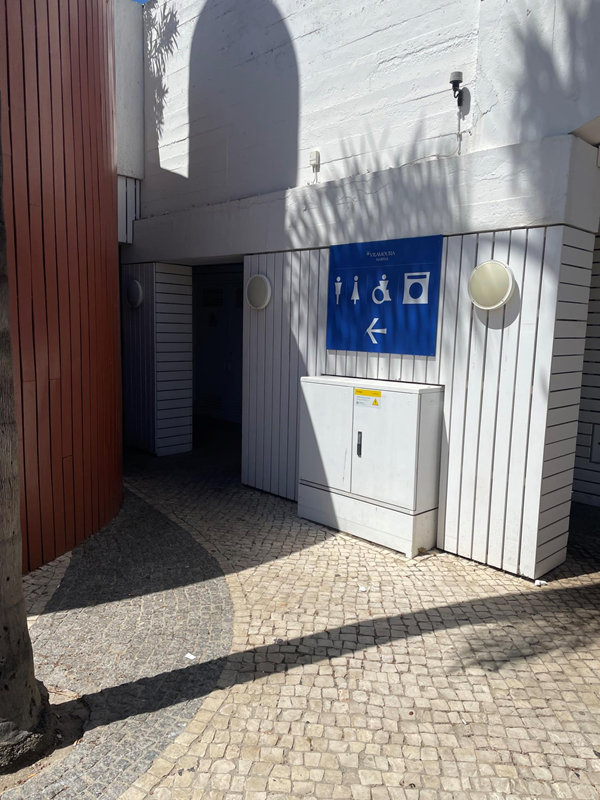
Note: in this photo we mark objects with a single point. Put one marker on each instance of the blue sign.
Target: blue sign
(383, 296)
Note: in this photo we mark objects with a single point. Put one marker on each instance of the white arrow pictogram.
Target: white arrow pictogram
(371, 330)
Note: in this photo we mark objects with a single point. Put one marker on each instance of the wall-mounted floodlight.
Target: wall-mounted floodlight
(258, 292)
(491, 285)
(134, 294)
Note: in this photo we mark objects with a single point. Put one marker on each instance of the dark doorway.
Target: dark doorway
(218, 294)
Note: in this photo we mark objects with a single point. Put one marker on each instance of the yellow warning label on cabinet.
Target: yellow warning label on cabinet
(367, 398)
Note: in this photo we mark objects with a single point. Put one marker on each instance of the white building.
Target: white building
(236, 96)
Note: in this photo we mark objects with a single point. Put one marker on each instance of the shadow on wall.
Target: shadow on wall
(367, 205)
(382, 200)
(244, 91)
(546, 90)
(161, 34)
(242, 97)
(555, 75)
(556, 83)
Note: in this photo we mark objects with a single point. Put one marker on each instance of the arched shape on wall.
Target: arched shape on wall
(243, 100)
(239, 137)
(56, 65)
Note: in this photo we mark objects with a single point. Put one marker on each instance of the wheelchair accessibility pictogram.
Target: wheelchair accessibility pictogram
(384, 295)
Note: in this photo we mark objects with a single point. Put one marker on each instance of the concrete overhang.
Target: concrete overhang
(551, 181)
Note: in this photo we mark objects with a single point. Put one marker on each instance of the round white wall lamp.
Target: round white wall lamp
(134, 294)
(491, 285)
(258, 292)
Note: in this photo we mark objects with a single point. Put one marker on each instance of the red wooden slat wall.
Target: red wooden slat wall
(58, 141)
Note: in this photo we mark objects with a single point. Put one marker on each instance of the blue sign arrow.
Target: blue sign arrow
(393, 285)
(371, 330)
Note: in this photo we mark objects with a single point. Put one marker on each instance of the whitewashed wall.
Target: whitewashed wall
(549, 182)
(251, 87)
(536, 64)
(239, 93)
(129, 88)
(512, 388)
(586, 486)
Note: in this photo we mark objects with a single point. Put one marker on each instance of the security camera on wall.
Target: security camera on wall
(456, 78)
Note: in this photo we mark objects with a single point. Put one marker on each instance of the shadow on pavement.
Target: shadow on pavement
(567, 620)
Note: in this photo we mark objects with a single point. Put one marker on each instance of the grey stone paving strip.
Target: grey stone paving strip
(39, 586)
(135, 599)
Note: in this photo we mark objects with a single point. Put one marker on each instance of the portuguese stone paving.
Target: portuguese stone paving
(134, 600)
(351, 672)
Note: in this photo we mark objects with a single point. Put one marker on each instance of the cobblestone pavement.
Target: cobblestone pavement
(39, 586)
(133, 601)
(356, 673)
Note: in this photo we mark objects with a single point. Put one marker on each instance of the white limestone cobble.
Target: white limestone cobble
(445, 679)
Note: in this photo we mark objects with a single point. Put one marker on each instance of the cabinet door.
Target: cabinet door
(326, 434)
(384, 452)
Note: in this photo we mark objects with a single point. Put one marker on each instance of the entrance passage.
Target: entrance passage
(182, 354)
(218, 344)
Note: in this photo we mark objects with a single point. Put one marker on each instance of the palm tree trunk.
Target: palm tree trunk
(25, 719)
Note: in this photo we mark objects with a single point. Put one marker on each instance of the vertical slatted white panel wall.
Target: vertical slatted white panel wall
(174, 371)
(586, 486)
(128, 206)
(510, 378)
(562, 408)
(138, 362)
(281, 344)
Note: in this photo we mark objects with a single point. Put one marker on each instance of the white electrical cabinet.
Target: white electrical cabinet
(369, 459)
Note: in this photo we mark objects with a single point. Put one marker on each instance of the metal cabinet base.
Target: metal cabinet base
(407, 533)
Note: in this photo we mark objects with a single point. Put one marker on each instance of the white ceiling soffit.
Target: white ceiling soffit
(590, 132)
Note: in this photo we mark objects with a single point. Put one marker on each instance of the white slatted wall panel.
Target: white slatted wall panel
(128, 207)
(509, 389)
(174, 369)
(549, 527)
(586, 486)
(281, 344)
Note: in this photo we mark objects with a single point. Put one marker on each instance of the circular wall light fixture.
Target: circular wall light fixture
(134, 294)
(491, 285)
(258, 292)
